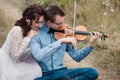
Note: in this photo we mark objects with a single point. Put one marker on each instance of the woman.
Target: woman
(16, 61)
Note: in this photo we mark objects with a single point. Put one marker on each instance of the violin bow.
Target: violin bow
(74, 18)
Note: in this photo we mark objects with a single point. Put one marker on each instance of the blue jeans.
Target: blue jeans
(70, 74)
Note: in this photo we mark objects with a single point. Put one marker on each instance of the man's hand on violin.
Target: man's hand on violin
(94, 37)
(71, 40)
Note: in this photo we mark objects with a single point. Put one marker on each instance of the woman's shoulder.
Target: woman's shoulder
(17, 28)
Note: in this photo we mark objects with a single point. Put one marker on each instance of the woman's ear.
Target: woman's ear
(28, 20)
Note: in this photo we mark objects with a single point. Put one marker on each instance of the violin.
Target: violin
(80, 32)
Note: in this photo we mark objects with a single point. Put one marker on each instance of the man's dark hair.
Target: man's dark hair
(53, 10)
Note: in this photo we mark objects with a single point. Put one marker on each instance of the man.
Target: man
(49, 52)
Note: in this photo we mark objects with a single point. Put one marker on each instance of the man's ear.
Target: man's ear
(48, 22)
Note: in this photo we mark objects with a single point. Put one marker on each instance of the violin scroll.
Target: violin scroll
(104, 35)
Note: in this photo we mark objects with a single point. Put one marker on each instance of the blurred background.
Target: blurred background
(96, 15)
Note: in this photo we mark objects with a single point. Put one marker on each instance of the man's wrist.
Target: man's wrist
(89, 45)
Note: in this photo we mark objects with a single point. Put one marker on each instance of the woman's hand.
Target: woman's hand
(32, 33)
(71, 40)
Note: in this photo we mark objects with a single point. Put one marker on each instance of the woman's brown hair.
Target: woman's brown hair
(32, 12)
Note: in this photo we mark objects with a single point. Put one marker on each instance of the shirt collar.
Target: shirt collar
(45, 28)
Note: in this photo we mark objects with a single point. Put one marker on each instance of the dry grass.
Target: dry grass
(96, 15)
(8, 15)
(104, 73)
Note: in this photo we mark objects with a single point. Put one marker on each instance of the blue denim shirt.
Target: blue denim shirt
(49, 53)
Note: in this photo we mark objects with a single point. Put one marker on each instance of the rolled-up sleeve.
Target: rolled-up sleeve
(78, 55)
